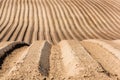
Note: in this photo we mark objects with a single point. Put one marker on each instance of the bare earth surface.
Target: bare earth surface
(57, 20)
(67, 60)
(59, 39)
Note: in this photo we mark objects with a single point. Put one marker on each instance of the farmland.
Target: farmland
(59, 39)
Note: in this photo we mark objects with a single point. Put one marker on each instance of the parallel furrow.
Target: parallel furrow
(37, 59)
(6, 28)
(111, 60)
(56, 20)
(29, 32)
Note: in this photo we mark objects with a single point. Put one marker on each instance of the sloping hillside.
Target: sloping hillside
(56, 20)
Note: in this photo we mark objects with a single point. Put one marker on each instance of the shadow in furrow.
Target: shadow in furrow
(8, 52)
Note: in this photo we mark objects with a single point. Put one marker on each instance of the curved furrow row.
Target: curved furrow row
(41, 21)
(111, 17)
(29, 32)
(59, 14)
(8, 26)
(106, 26)
(115, 4)
(65, 20)
(56, 20)
(80, 20)
(75, 21)
(5, 19)
(99, 25)
(96, 19)
(20, 21)
(54, 35)
(71, 22)
(58, 31)
(94, 24)
(0, 3)
(35, 32)
(47, 33)
(109, 20)
(110, 33)
(115, 18)
(2, 9)
(18, 35)
(85, 24)
(91, 21)
(15, 23)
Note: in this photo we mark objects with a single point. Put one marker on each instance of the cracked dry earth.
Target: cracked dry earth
(59, 39)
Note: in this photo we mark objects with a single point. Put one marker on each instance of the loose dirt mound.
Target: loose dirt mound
(73, 60)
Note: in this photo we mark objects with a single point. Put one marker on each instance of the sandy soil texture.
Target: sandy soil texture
(59, 39)
(68, 60)
(56, 20)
